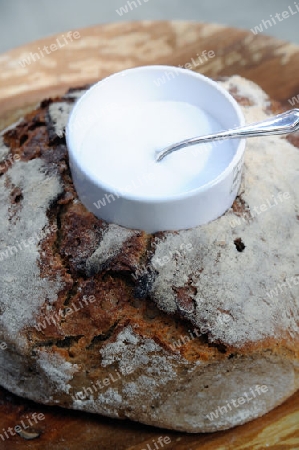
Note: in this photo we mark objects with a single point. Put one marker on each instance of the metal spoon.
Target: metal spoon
(284, 123)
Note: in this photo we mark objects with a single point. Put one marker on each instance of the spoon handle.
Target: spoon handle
(284, 123)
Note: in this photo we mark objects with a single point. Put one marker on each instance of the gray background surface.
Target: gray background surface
(22, 21)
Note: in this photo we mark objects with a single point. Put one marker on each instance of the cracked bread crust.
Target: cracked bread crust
(112, 304)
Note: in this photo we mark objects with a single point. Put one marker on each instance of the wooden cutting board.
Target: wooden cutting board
(100, 51)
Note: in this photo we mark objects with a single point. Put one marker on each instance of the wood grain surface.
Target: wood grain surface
(99, 51)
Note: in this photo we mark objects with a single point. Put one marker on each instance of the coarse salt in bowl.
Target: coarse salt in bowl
(120, 124)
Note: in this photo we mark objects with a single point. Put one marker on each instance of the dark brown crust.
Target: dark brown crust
(118, 293)
(294, 139)
(121, 294)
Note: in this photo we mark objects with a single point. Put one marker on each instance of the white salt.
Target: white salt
(120, 150)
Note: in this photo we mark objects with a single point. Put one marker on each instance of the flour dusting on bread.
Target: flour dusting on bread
(81, 305)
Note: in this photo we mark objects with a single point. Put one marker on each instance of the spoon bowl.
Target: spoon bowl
(285, 123)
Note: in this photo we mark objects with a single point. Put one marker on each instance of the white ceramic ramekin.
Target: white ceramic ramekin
(151, 214)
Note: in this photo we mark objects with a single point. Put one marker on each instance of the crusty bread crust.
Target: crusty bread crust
(163, 329)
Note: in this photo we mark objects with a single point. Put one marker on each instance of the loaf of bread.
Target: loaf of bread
(196, 330)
